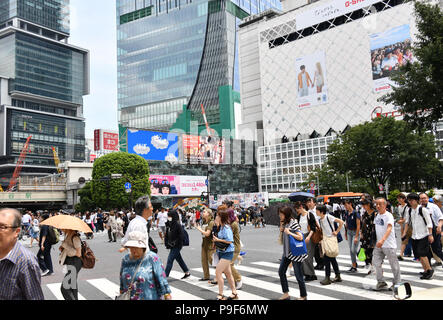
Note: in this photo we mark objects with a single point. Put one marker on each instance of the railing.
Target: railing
(38, 184)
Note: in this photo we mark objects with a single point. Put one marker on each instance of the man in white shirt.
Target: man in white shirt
(162, 217)
(143, 210)
(437, 221)
(310, 203)
(386, 245)
(421, 222)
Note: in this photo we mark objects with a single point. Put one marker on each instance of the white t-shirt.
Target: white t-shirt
(26, 219)
(327, 231)
(304, 223)
(381, 225)
(162, 218)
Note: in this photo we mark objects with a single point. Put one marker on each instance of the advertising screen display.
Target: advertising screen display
(389, 50)
(243, 200)
(153, 145)
(312, 86)
(198, 149)
(110, 141)
(177, 185)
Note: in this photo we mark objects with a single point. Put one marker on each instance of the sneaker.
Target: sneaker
(187, 275)
(44, 273)
(427, 275)
(337, 278)
(326, 281)
(437, 264)
(238, 285)
(352, 270)
(381, 285)
(400, 258)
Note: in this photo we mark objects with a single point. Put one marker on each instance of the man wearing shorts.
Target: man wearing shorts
(420, 220)
(162, 217)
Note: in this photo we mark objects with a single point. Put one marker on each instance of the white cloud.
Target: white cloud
(141, 149)
(132, 131)
(171, 158)
(159, 143)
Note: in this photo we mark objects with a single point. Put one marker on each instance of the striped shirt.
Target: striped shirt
(20, 275)
(294, 227)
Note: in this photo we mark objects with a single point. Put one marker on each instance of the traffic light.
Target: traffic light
(202, 198)
(215, 197)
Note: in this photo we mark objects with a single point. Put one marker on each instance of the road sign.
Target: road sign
(206, 182)
(128, 186)
(128, 190)
(380, 187)
(312, 185)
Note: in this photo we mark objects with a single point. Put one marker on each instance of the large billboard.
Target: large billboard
(244, 200)
(312, 85)
(200, 149)
(110, 141)
(152, 145)
(389, 50)
(177, 185)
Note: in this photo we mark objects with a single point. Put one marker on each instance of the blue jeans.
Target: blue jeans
(408, 249)
(175, 254)
(298, 271)
(353, 247)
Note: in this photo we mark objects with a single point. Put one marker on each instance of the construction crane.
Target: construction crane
(19, 165)
(208, 129)
(56, 160)
(1, 189)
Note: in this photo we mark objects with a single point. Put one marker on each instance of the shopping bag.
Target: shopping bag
(215, 259)
(362, 255)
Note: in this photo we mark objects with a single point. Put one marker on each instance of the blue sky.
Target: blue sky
(391, 36)
(93, 27)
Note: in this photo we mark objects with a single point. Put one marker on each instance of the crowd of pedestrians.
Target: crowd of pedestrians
(309, 232)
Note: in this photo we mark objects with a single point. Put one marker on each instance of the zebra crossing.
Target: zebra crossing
(261, 282)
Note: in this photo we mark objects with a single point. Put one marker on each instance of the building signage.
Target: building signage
(328, 11)
(110, 141)
(177, 185)
(96, 140)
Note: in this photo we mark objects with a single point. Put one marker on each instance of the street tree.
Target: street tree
(418, 92)
(86, 202)
(387, 149)
(111, 193)
(331, 181)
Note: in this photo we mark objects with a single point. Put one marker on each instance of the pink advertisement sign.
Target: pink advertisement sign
(177, 185)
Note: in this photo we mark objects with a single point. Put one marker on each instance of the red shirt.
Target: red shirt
(197, 215)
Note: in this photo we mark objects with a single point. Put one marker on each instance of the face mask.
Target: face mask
(169, 218)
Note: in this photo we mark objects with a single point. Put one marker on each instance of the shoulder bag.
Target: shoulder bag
(127, 294)
(297, 247)
(317, 235)
(329, 246)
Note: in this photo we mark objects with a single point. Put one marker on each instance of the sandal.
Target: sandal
(213, 282)
(233, 297)
(221, 297)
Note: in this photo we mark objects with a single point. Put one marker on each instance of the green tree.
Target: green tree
(386, 149)
(86, 202)
(112, 193)
(419, 92)
(332, 181)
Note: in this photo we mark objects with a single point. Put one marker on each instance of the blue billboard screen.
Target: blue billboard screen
(152, 145)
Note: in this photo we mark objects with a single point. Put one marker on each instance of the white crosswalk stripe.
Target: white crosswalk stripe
(261, 282)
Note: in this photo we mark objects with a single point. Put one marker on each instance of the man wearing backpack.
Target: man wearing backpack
(44, 254)
(437, 221)
(421, 222)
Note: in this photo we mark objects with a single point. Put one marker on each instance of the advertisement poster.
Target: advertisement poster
(243, 200)
(177, 185)
(198, 149)
(312, 85)
(110, 141)
(153, 145)
(389, 50)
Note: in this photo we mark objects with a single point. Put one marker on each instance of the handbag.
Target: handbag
(127, 294)
(329, 246)
(297, 247)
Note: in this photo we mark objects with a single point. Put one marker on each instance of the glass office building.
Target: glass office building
(42, 83)
(173, 53)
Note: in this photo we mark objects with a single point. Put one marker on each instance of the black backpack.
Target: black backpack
(420, 212)
(53, 236)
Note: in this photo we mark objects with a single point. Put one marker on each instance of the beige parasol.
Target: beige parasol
(68, 223)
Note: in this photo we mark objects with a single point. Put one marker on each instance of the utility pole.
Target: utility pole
(347, 181)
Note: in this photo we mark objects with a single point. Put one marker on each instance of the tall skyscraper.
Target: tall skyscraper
(43, 80)
(173, 53)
